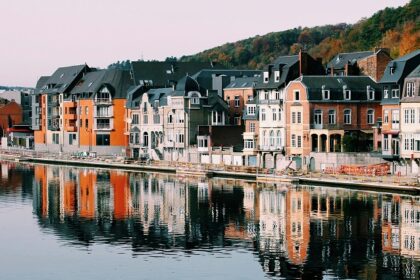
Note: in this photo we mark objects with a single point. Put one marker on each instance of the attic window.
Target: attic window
(265, 77)
(277, 76)
(347, 94)
(325, 94)
(61, 76)
(370, 93)
(90, 84)
(244, 84)
(392, 70)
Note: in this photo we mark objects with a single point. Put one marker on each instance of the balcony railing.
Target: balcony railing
(102, 126)
(104, 101)
(270, 148)
(326, 126)
(271, 101)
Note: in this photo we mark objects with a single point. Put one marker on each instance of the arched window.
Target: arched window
(272, 138)
(145, 139)
(264, 138)
(170, 118)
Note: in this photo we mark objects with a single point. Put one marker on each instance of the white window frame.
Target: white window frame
(325, 94)
(347, 117)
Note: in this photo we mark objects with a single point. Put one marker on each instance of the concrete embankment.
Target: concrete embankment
(358, 183)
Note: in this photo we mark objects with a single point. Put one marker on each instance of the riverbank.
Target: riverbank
(388, 183)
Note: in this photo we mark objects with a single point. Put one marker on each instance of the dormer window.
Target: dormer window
(392, 70)
(411, 89)
(386, 93)
(325, 94)
(370, 93)
(347, 94)
(277, 76)
(395, 93)
(265, 76)
(251, 110)
(195, 99)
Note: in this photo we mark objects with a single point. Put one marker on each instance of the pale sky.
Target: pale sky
(37, 36)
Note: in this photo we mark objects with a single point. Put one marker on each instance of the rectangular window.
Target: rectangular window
(296, 95)
(412, 116)
(86, 123)
(237, 101)
(386, 93)
(263, 114)
(386, 116)
(325, 94)
(331, 117)
(299, 141)
(274, 114)
(249, 144)
(370, 94)
(228, 100)
(86, 110)
(237, 120)
(395, 93)
(293, 140)
(370, 116)
(293, 117)
(72, 139)
(299, 117)
(386, 143)
(102, 140)
(252, 127)
(56, 138)
(135, 119)
(347, 94)
(251, 110)
(417, 145)
(145, 119)
(395, 119)
(410, 89)
(347, 116)
(318, 117)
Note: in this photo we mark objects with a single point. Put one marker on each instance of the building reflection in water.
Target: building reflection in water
(295, 231)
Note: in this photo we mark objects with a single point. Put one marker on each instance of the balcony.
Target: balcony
(103, 126)
(103, 101)
(271, 101)
(103, 115)
(270, 148)
(53, 103)
(327, 126)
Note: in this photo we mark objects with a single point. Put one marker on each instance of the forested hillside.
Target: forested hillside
(395, 28)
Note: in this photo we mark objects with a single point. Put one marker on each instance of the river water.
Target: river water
(84, 223)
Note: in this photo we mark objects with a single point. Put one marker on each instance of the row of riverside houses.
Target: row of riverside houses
(295, 112)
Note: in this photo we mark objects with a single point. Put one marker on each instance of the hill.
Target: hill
(395, 28)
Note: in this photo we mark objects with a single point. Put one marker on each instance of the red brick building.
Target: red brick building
(331, 114)
(237, 94)
(10, 114)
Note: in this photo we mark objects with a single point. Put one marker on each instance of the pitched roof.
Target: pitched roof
(340, 60)
(246, 82)
(41, 83)
(163, 74)
(356, 84)
(415, 73)
(402, 67)
(63, 78)
(288, 67)
(160, 94)
(206, 81)
(116, 80)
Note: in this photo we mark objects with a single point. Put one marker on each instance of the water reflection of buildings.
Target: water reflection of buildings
(297, 231)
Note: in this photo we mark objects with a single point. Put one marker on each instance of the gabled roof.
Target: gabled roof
(246, 82)
(63, 78)
(340, 60)
(402, 67)
(217, 102)
(163, 74)
(116, 80)
(356, 84)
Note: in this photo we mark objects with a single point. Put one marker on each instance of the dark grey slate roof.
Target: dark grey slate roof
(289, 70)
(205, 76)
(415, 73)
(217, 102)
(64, 78)
(164, 74)
(187, 84)
(246, 82)
(403, 66)
(116, 80)
(356, 84)
(134, 95)
(41, 83)
(340, 60)
(160, 94)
